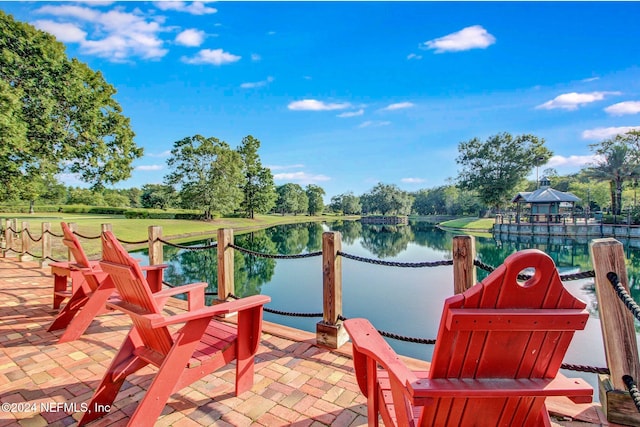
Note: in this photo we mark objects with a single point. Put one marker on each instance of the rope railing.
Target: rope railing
(138, 242)
(274, 256)
(624, 296)
(89, 237)
(189, 248)
(33, 239)
(390, 335)
(632, 387)
(395, 263)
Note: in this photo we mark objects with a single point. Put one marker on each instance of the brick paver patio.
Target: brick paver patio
(45, 383)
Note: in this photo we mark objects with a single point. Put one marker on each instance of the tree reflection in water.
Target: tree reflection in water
(380, 241)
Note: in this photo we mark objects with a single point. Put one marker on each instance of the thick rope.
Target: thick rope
(33, 239)
(394, 263)
(624, 295)
(189, 248)
(272, 256)
(630, 383)
(88, 237)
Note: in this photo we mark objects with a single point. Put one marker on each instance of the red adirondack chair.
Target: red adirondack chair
(63, 271)
(496, 358)
(89, 295)
(201, 346)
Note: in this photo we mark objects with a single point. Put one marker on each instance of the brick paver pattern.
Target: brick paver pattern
(45, 383)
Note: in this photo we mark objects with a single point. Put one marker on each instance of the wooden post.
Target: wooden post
(46, 244)
(225, 264)
(618, 333)
(156, 255)
(464, 271)
(72, 227)
(4, 242)
(106, 227)
(8, 234)
(330, 332)
(26, 243)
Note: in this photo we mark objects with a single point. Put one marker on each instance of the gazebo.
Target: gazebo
(546, 204)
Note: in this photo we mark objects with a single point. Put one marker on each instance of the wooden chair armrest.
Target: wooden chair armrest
(183, 289)
(367, 341)
(157, 320)
(426, 388)
(195, 299)
(154, 267)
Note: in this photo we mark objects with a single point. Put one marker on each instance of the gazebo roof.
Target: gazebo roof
(545, 195)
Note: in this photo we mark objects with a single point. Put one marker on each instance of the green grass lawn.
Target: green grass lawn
(471, 224)
(134, 230)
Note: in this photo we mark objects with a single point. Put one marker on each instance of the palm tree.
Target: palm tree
(617, 165)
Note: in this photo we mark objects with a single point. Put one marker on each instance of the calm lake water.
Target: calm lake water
(401, 300)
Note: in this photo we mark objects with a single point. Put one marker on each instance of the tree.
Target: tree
(618, 163)
(314, 196)
(303, 201)
(259, 193)
(85, 196)
(159, 196)
(290, 197)
(208, 174)
(347, 203)
(58, 115)
(493, 168)
(387, 199)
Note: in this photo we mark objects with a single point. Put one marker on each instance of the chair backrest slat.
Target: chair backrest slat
(71, 241)
(133, 288)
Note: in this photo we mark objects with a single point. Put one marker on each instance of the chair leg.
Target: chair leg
(249, 334)
(92, 308)
(165, 381)
(75, 303)
(123, 364)
(59, 285)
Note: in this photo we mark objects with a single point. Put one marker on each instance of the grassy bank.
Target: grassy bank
(134, 230)
(469, 224)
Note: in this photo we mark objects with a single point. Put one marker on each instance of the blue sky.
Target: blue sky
(348, 94)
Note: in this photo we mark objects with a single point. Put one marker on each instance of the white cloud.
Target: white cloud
(474, 37)
(194, 8)
(212, 56)
(315, 105)
(190, 37)
(83, 13)
(622, 108)
(300, 177)
(116, 35)
(605, 133)
(590, 79)
(398, 106)
(414, 56)
(251, 85)
(412, 180)
(373, 124)
(65, 32)
(149, 168)
(351, 113)
(573, 100)
(284, 167)
(575, 161)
